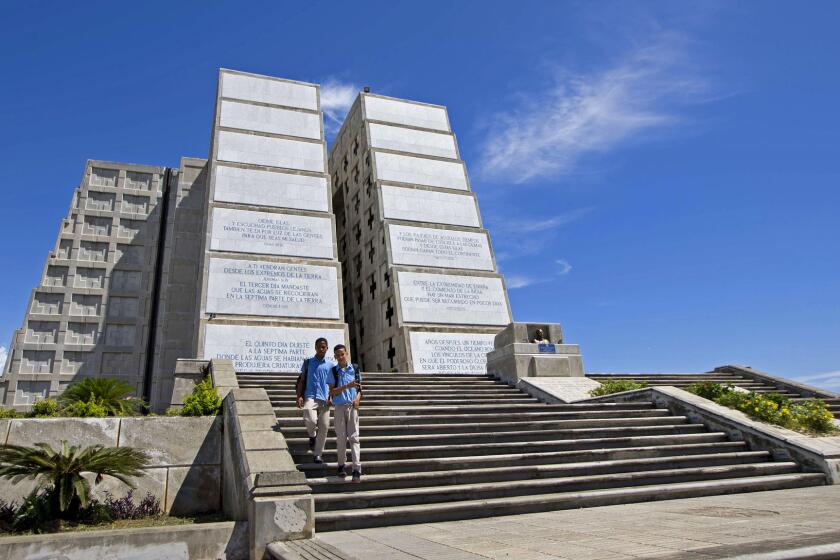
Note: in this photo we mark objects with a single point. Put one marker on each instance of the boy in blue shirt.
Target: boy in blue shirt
(313, 396)
(346, 392)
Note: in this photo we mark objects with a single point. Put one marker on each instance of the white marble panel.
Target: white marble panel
(264, 90)
(420, 171)
(243, 231)
(452, 299)
(403, 112)
(270, 119)
(421, 246)
(275, 152)
(255, 349)
(413, 141)
(455, 353)
(417, 205)
(271, 188)
(241, 287)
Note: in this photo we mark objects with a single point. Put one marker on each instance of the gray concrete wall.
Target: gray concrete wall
(207, 541)
(406, 220)
(186, 455)
(90, 315)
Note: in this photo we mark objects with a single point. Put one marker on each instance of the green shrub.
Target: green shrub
(9, 413)
(89, 409)
(616, 386)
(172, 411)
(62, 469)
(811, 415)
(111, 394)
(204, 401)
(709, 389)
(45, 408)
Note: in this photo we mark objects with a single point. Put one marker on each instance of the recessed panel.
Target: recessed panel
(243, 287)
(452, 299)
(271, 188)
(275, 92)
(403, 112)
(274, 152)
(444, 248)
(455, 353)
(418, 205)
(265, 349)
(420, 171)
(270, 119)
(243, 231)
(412, 141)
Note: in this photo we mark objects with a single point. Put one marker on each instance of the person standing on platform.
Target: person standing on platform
(312, 389)
(346, 392)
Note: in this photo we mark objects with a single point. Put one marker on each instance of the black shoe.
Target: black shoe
(317, 460)
(312, 443)
(341, 472)
(357, 476)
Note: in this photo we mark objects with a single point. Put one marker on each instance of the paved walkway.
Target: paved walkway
(690, 529)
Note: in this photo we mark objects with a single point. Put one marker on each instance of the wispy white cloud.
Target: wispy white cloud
(535, 226)
(516, 281)
(336, 99)
(563, 267)
(550, 129)
(829, 380)
(3, 355)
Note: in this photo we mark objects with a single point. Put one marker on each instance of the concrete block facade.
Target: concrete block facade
(421, 288)
(91, 313)
(270, 279)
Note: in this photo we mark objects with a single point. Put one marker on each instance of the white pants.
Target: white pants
(347, 429)
(316, 417)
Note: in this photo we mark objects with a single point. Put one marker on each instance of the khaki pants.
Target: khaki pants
(347, 429)
(316, 417)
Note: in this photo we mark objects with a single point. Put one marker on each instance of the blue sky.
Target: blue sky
(661, 178)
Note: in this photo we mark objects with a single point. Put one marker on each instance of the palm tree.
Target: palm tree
(63, 469)
(112, 394)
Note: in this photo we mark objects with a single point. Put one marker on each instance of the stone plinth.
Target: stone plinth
(515, 357)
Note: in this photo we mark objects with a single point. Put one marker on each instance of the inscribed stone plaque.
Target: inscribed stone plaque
(265, 348)
(274, 120)
(419, 205)
(274, 152)
(420, 171)
(265, 90)
(243, 231)
(404, 112)
(412, 141)
(440, 247)
(445, 298)
(464, 353)
(271, 188)
(240, 287)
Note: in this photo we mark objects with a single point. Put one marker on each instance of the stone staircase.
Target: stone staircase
(442, 447)
(683, 380)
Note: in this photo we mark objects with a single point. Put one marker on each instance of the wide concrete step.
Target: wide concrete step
(420, 403)
(449, 410)
(301, 445)
(373, 375)
(343, 501)
(334, 484)
(414, 395)
(487, 427)
(383, 418)
(392, 466)
(471, 509)
(495, 448)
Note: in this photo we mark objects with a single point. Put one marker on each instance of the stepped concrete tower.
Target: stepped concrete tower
(421, 286)
(270, 276)
(91, 313)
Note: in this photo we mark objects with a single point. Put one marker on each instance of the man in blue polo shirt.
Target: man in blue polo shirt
(346, 392)
(313, 397)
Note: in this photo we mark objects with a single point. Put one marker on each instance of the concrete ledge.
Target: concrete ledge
(814, 454)
(558, 390)
(789, 384)
(204, 541)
